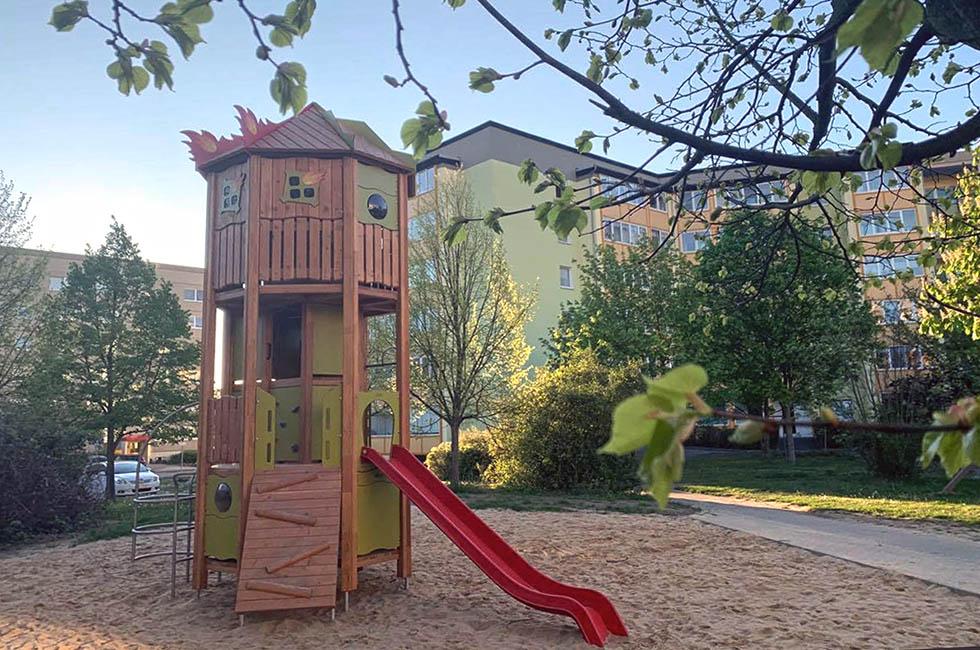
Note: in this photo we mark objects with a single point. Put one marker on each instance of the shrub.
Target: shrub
(550, 438)
(42, 475)
(190, 457)
(474, 456)
(888, 455)
(707, 435)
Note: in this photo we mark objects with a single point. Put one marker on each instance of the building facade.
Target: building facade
(490, 154)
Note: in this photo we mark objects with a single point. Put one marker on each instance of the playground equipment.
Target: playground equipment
(307, 239)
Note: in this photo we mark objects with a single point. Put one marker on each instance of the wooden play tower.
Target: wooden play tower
(306, 241)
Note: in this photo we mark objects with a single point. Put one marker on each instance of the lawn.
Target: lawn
(479, 497)
(832, 482)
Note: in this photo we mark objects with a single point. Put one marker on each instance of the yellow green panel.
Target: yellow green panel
(374, 180)
(236, 345)
(286, 429)
(265, 430)
(328, 340)
(377, 511)
(326, 437)
(221, 527)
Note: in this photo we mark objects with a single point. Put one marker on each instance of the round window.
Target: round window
(377, 206)
(222, 497)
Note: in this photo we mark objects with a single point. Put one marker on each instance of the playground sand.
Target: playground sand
(678, 583)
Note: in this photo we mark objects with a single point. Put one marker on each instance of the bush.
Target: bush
(42, 475)
(889, 455)
(550, 437)
(474, 456)
(190, 458)
(707, 435)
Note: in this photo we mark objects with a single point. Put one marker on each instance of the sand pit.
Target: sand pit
(678, 583)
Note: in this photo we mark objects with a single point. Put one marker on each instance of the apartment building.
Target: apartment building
(490, 154)
(187, 282)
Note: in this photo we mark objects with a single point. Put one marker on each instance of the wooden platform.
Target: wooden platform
(289, 559)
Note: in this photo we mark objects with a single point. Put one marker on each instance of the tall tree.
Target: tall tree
(624, 309)
(793, 335)
(20, 291)
(467, 316)
(951, 296)
(116, 347)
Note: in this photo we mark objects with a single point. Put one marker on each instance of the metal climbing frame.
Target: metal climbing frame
(173, 528)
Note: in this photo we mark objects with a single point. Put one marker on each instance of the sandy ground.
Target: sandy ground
(678, 583)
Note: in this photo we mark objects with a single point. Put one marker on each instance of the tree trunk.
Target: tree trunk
(788, 431)
(110, 463)
(454, 455)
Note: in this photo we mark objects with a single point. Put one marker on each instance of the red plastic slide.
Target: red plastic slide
(593, 612)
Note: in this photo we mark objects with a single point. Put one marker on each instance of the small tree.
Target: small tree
(116, 347)
(20, 291)
(790, 331)
(624, 311)
(468, 317)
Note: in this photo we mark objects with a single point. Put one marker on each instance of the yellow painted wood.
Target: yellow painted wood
(265, 422)
(374, 180)
(328, 339)
(327, 436)
(287, 422)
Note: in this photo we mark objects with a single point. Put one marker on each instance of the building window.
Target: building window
(658, 235)
(891, 311)
(565, 277)
(623, 232)
(695, 200)
(875, 180)
(301, 187)
(886, 267)
(694, 240)
(658, 202)
(231, 189)
(899, 357)
(733, 196)
(419, 224)
(894, 221)
(620, 191)
(761, 193)
(943, 198)
(196, 322)
(194, 295)
(56, 284)
(425, 181)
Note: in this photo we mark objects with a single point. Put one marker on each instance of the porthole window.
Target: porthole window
(377, 206)
(301, 187)
(222, 497)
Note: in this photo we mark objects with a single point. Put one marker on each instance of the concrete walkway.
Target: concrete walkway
(935, 557)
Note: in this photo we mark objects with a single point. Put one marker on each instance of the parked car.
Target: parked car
(125, 477)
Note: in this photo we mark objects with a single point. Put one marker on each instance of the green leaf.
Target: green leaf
(748, 432)
(141, 79)
(482, 79)
(455, 233)
(455, 4)
(584, 141)
(633, 426)
(280, 37)
(598, 201)
(391, 81)
(410, 129)
(527, 173)
(186, 35)
(951, 452)
(564, 39)
(492, 220)
(541, 212)
(878, 28)
(782, 21)
(65, 16)
(890, 154)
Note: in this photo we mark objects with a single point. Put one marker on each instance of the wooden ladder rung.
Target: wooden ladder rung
(287, 483)
(279, 588)
(299, 557)
(291, 517)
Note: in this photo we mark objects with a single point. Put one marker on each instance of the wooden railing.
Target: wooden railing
(300, 249)
(228, 262)
(380, 257)
(225, 430)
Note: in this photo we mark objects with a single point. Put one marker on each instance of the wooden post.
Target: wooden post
(306, 386)
(350, 445)
(200, 570)
(250, 326)
(402, 372)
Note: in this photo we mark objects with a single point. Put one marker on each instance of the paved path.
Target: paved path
(936, 557)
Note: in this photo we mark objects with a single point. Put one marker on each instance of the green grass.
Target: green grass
(833, 482)
(479, 497)
(115, 519)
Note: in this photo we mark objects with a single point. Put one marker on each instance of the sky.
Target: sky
(85, 153)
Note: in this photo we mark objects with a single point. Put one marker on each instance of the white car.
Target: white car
(125, 477)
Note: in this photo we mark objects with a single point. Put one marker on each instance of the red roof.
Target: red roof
(313, 130)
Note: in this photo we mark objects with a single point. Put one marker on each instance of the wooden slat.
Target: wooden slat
(350, 446)
(296, 480)
(379, 265)
(377, 557)
(302, 518)
(275, 273)
(402, 372)
(315, 271)
(279, 588)
(288, 249)
(299, 557)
